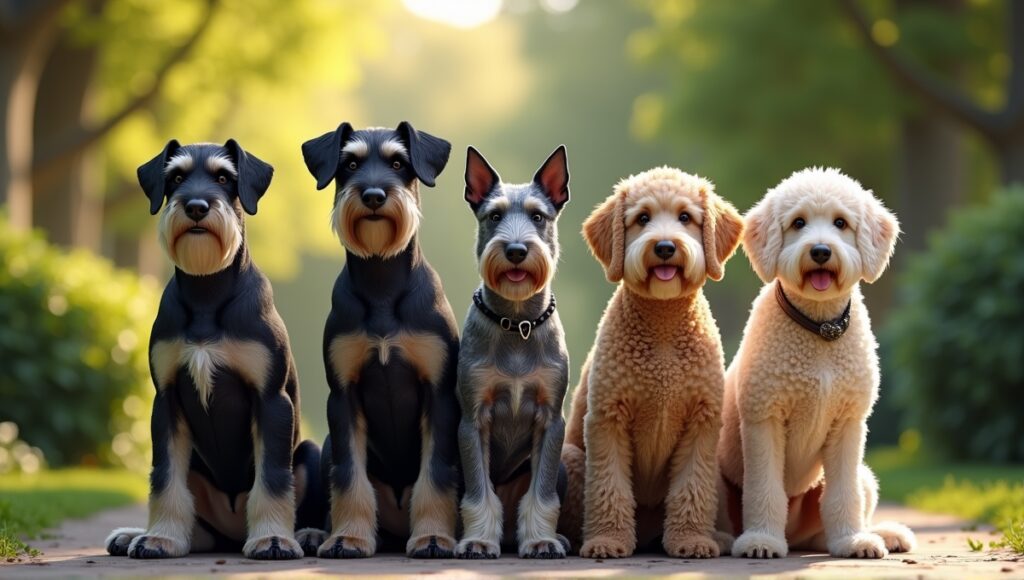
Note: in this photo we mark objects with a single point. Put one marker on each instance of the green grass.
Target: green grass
(31, 503)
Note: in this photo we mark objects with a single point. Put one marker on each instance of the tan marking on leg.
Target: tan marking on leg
(164, 360)
(269, 517)
(172, 511)
(432, 511)
(347, 354)
(354, 511)
(427, 352)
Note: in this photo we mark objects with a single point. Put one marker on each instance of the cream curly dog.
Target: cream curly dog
(799, 392)
(647, 412)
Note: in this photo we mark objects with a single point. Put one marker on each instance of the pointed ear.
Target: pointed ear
(427, 154)
(876, 238)
(481, 178)
(605, 233)
(722, 230)
(254, 176)
(553, 178)
(762, 240)
(323, 153)
(152, 177)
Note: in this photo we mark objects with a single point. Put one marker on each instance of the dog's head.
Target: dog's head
(517, 234)
(663, 232)
(207, 186)
(376, 173)
(820, 232)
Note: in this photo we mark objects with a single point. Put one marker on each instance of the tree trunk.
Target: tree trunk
(1011, 161)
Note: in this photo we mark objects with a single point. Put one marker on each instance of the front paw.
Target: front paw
(897, 537)
(149, 546)
(119, 540)
(272, 548)
(346, 547)
(310, 539)
(691, 546)
(606, 547)
(431, 547)
(477, 549)
(543, 549)
(753, 544)
(859, 545)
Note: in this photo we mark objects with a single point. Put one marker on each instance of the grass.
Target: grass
(31, 503)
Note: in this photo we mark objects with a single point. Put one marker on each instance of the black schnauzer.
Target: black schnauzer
(229, 471)
(390, 350)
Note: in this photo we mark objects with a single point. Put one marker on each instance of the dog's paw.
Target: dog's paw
(859, 545)
(691, 546)
(606, 547)
(477, 549)
(119, 540)
(543, 549)
(897, 537)
(724, 541)
(753, 544)
(149, 546)
(310, 539)
(346, 547)
(272, 548)
(431, 547)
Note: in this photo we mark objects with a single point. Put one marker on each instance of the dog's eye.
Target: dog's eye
(222, 179)
(495, 216)
(684, 217)
(799, 223)
(537, 217)
(352, 165)
(643, 219)
(178, 178)
(840, 223)
(397, 165)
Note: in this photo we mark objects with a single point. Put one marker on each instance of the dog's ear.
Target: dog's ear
(254, 176)
(481, 178)
(323, 153)
(553, 178)
(428, 154)
(152, 177)
(762, 240)
(722, 230)
(876, 237)
(605, 233)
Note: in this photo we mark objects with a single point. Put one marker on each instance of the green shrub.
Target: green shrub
(73, 340)
(957, 339)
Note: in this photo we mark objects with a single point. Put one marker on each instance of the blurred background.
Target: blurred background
(921, 100)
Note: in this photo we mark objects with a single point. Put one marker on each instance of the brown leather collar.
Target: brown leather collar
(829, 330)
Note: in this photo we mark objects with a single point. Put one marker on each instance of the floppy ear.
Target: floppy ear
(605, 233)
(481, 178)
(762, 240)
(553, 178)
(876, 238)
(152, 178)
(323, 153)
(723, 228)
(254, 176)
(427, 154)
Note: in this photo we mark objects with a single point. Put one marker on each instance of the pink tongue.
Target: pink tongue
(516, 275)
(821, 280)
(665, 273)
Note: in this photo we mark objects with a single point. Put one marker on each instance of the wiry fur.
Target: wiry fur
(386, 237)
(201, 254)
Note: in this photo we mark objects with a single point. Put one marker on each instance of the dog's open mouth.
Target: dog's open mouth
(516, 275)
(374, 217)
(197, 230)
(665, 273)
(820, 279)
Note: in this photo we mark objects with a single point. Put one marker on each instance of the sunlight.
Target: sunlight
(458, 13)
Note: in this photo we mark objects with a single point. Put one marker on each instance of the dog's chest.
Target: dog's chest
(205, 360)
(350, 353)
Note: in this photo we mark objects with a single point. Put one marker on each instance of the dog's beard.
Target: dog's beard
(200, 254)
(539, 267)
(385, 237)
(640, 262)
(795, 266)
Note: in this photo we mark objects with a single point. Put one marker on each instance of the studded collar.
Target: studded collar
(828, 330)
(523, 327)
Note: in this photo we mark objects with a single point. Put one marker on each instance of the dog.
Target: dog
(513, 364)
(646, 415)
(390, 349)
(803, 382)
(229, 471)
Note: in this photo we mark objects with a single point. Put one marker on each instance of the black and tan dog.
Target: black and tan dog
(390, 350)
(228, 468)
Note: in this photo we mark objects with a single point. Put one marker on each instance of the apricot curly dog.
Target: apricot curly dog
(647, 412)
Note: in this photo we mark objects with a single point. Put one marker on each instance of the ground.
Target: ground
(76, 549)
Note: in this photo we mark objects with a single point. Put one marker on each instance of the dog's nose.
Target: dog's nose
(197, 209)
(374, 197)
(515, 252)
(664, 249)
(820, 253)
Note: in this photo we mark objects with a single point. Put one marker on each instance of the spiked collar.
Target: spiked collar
(829, 330)
(523, 327)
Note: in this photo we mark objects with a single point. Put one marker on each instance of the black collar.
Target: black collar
(523, 327)
(829, 330)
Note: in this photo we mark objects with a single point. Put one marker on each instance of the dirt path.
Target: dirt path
(77, 551)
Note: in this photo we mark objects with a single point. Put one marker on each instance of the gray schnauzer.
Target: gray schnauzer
(513, 365)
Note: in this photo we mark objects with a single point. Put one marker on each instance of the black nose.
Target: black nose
(664, 249)
(821, 253)
(515, 252)
(374, 197)
(197, 209)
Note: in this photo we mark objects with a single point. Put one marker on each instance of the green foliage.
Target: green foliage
(75, 377)
(975, 545)
(956, 340)
(903, 474)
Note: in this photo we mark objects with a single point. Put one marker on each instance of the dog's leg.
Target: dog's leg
(171, 506)
(692, 500)
(897, 537)
(538, 510)
(481, 508)
(609, 526)
(843, 502)
(765, 503)
(434, 504)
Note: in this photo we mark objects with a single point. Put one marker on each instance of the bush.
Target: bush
(75, 376)
(957, 339)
